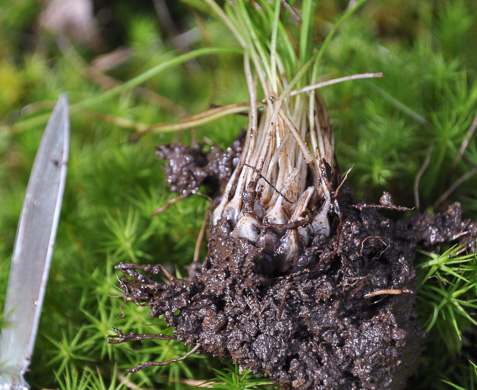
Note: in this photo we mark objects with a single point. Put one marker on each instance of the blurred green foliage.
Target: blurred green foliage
(426, 103)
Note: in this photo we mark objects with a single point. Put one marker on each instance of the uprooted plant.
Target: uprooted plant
(300, 282)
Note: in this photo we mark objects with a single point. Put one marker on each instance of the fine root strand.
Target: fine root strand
(389, 291)
(120, 337)
(161, 364)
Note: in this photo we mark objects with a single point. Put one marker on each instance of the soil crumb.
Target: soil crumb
(188, 168)
(339, 314)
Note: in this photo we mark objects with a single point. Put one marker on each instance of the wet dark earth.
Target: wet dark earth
(339, 315)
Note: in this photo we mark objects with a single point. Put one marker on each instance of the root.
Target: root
(389, 291)
(375, 237)
(122, 338)
(361, 284)
(290, 225)
(386, 203)
(160, 364)
(168, 204)
(345, 176)
(130, 268)
(200, 237)
(282, 304)
(266, 181)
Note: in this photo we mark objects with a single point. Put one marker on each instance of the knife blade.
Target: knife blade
(33, 249)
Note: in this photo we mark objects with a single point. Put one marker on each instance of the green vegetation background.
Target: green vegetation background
(427, 101)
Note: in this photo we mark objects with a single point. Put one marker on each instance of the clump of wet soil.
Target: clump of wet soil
(339, 315)
(190, 167)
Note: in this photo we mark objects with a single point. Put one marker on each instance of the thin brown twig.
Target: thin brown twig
(200, 237)
(463, 146)
(160, 364)
(168, 204)
(454, 186)
(417, 180)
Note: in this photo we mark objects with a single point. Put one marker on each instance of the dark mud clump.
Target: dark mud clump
(338, 315)
(188, 168)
